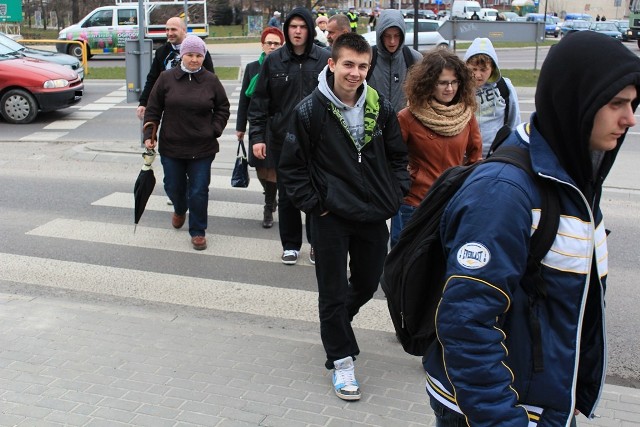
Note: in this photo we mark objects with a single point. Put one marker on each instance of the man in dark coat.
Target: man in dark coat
(287, 76)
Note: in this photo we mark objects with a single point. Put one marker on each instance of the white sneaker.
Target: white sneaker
(290, 257)
(344, 379)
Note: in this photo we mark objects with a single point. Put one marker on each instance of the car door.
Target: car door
(99, 27)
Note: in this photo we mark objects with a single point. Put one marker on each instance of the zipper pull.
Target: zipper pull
(359, 157)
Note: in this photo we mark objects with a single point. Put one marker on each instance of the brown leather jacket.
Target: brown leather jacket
(431, 154)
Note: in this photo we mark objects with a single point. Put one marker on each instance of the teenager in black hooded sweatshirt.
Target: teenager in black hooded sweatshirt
(481, 372)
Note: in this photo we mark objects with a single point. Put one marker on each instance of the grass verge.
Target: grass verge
(519, 77)
(118, 73)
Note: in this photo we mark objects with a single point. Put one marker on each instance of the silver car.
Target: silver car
(43, 55)
(428, 35)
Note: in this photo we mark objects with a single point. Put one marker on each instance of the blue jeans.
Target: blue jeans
(186, 182)
(445, 417)
(399, 220)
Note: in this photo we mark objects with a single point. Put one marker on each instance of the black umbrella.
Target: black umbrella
(146, 179)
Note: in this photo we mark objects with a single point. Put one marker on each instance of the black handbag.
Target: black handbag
(240, 175)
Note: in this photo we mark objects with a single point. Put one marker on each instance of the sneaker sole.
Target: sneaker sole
(289, 262)
(348, 397)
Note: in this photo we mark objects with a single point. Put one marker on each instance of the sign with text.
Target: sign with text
(506, 31)
(10, 10)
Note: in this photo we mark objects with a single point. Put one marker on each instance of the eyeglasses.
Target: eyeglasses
(443, 84)
(276, 44)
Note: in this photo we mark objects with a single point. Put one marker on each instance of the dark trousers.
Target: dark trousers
(445, 417)
(340, 297)
(289, 217)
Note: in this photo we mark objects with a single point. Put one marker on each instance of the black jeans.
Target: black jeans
(445, 417)
(340, 297)
(289, 217)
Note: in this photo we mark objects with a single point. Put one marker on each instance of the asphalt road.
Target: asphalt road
(67, 178)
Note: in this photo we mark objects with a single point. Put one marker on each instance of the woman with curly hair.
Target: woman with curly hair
(438, 125)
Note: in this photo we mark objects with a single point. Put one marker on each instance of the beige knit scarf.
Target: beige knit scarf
(442, 119)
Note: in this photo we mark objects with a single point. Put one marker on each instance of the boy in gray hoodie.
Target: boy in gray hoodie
(495, 95)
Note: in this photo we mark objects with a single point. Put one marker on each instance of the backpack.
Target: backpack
(406, 52)
(413, 275)
(505, 93)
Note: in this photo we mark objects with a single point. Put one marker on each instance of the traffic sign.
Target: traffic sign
(11, 11)
(454, 29)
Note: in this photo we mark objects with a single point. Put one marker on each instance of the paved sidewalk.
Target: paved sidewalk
(110, 362)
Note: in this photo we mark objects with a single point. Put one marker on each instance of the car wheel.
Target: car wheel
(76, 50)
(18, 106)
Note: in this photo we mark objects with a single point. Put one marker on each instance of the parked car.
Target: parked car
(551, 28)
(607, 28)
(44, 55)
(444, 14)
(623, 27)
(578, 16)
(573, 25)
(422, 14)
(512, 16)
(428, 35)
(29, 86)
(488, 14)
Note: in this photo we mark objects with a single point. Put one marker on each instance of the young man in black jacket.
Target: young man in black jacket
(286, 77)
(344, 163)
(167, 57)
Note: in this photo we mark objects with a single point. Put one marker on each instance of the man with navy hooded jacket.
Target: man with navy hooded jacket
(480, 372)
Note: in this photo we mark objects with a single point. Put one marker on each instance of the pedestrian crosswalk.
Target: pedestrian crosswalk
(251, 293)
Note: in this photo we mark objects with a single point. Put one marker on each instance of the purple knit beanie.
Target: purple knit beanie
(193, 44)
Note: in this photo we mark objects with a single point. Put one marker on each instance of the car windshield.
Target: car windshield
(580, 24)
(5, 50)
(10, 43)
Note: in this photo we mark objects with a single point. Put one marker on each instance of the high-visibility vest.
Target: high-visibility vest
(353, 20)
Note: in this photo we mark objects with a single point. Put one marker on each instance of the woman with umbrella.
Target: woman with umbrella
(193, 107)
(272, 38)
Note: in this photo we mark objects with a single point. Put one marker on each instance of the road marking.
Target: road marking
(97, 107)
(43, 136)
(167, 239)
(83, 115)
(65, 124)
(110, 100)
(274, 302)
(222, 209)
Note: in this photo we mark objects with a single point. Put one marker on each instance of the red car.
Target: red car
(29, 86)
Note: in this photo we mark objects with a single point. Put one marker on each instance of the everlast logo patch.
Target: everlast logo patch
(473, 255)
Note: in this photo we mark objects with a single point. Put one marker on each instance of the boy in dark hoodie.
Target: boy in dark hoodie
(349, 178)
(484, 369)
(287, 76)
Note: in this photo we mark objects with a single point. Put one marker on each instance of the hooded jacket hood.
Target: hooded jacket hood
(484, 45)
(300, 12)
(572, 87)
(389, 18)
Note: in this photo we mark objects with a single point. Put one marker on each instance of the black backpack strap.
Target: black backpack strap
(504, 92)
(502, 134)
(374, 58)
(541, 241)
(408, 56)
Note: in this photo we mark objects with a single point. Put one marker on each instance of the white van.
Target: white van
(488, 14)
(464, 9)
(105, 30)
